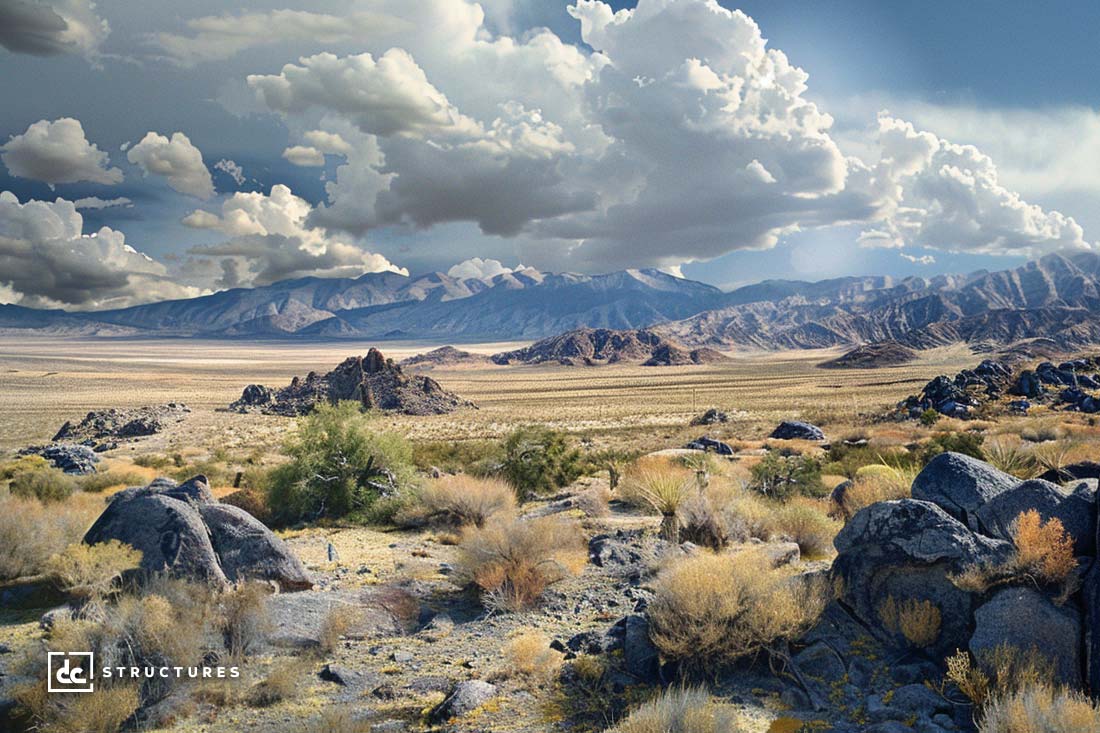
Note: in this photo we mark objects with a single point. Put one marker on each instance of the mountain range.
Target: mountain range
(1056, 297)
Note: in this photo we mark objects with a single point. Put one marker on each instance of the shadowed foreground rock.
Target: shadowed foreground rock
(183, 530)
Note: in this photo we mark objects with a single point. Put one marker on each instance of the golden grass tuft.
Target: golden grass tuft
(709, 610)
(458, 501)
(1043, 549)
(682, 710)
(513, 561)
(918, 622)
(92, 571)
(875, 483)
(806, 522)
(528, 658)
(1040, 708)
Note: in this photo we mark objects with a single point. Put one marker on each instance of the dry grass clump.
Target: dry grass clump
(32, 532)
(42, 482)
(999, 673)
(1040, 709)
(807, 523)
(244, 619)
(918, 622)
(709, 610)
(682, 710)
(98, 482)
(102, 711)
(875, 483)
(1011, 457)
(1043, 549)
(252, 501)
(514, 560)
(528, 658)
(337, 622)
(662, 486)
(458, 501)
(339, 720)
(281, 683)
(92, 572)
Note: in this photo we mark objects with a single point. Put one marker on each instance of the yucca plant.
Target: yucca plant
(662, 487)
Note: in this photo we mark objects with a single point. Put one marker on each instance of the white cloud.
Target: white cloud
(51, 27)
(95, 202)
(177, 160)
(327, 142)
(922, 260)
(949, 197)
(270, 241)
(477, 268)
(57, 152)
(47, 260)
(231, 169)
(304, 156)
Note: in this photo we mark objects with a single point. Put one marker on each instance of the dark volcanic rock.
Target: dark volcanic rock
(595, 346)
(711, 417)
(181, 529)
(464, 698)
(906, 550)
(136, 422)
(75, 459)
(1075, 508)
(796, 430)
(961, 485)
(372, 380)
(710, 445)
(1072, 472)
(872, 356)
(443, 356)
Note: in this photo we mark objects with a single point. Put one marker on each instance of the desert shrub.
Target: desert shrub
(217, 473)
(103, 711)
(243, 618)
(45, 483)
(969, 444)
(875, 483)
(1043, 549)
(1039, 709)
(31, 462)
(337, 622)
(916, 621)
(807, 524)
(31, 533)
(1011, 458)
(153, 460)
(281, 683)
(338, 465)
(709, 610)
(457, 501)
(930, 417)
(529, 659)
(593, 502)
(339, 720)
(1054, 457)
(847, 460)
(475, 457)
(703, 524)
(538, 460)
(993, 673)
(514, 560)
(781, 477)
(252, 501)
(660, 486)
(681, 710)
(101, 481)
(1041, 433)
(91, 572)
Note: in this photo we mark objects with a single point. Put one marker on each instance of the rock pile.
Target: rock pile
(78, 460)
(960, 518)
(181, 529)
(372, 380)
(101, 429)
(797, 430)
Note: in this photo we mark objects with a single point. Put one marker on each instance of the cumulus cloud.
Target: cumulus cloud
(95, 202)
(175, 159)
(231, 169)
(477, 268)
(270, 241)
(922, 260)
(47, 261)
(305, 156)
(51, 27)
(949, 197)
(57, 152)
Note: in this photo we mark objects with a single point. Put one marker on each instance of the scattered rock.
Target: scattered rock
(371, 380)
(797, 430)
(181, 529)
(711, 445)
(464, 698)
(100, 425)
(78, 460)
(712, 416)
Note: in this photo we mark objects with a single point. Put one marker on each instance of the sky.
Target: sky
(160, 150)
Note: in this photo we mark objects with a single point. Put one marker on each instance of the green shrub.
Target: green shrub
(338, 465)
(930, 417)
(782, 477)
(969, 444)
(538, 460)
(152, 460)
(97, 482)
(476, 457)
(46, 484)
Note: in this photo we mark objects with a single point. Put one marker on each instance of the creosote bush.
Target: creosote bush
(781, 477)
(42, 482)
(709, 610)
(457, 501)
(32, 532)
(512, 561)
(91, 572)
(682, 710)
(969, 444)
(538, 460)
(339, 464)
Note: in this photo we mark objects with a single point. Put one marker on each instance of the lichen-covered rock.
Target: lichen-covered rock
(960, 485)
(906, 550)
(182, 530)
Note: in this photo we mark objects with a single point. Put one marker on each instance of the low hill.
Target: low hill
(872, 356)
(595, 346)
(443, 356)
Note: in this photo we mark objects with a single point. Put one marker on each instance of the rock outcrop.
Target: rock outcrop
(100, 428)
(78, 460)
(597, 346)
(797, 430)
(182, 530)
(372, 380)
(444, 356)
(872, 356)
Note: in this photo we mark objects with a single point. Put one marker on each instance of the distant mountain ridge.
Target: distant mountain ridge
(1056, 297)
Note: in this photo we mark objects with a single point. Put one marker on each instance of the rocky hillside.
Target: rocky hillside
(872, 356)
(444, 356)
(595, 346)
(372, 380)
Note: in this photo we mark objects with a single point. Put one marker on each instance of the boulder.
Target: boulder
(1027, 384)
(796, 430)
(78, 460)
(298, 619)
(1073, 472)
(711, 417)
(906, 549)
(961, 485)
(1026, 619)
(464, 698)
(641, 659)
(1074, 507)
(710, 445)
(181, 529)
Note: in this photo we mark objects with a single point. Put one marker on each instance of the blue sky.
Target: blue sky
(1011, 79)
